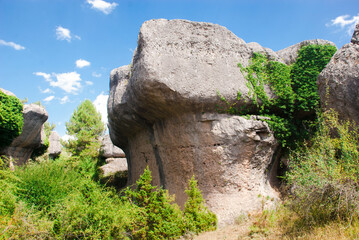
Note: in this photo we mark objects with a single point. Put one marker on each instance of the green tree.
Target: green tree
(158, 217)
(86, 128)
(197, 217)
(11, 119)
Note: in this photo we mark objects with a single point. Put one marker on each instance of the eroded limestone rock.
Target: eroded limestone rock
(162, 113)
(31, 137)
(338, 83)
(290, 54)
(55, 146)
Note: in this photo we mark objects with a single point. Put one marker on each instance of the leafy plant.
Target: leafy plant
(296, 98)
(159, 217)
(197, 217)
(11, 119)
(325, 173)
(86, 128)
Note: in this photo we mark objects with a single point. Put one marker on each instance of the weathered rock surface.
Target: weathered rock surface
(109, 150)
(355, 37)
(31, 137)
(162, 113)
(113, 166)
(55, 146)
(290, 54)
(338, 83)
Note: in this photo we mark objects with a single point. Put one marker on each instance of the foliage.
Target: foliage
(11, 119)
(296, 97)
(197, 217)
(325, 173)
(52, 200)
(304, 73)
(86, 128)
(48, 128)
(159, 218)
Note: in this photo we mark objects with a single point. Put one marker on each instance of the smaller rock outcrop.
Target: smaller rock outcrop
(109, 150)
(55, 146)
(31, 137)
(290, 54)
(338, 83)
(355, 37)
(115, 158)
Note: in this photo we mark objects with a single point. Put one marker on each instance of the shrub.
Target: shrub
(197, 217)
(11, 119)
(158, 217)
(324, 174)
(55, 201)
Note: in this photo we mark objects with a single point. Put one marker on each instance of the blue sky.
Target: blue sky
(61, 52)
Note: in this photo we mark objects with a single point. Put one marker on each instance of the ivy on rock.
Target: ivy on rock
(293, 109)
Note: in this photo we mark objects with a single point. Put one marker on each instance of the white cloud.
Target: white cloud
(69, 82)
(64, 100)
(345, 22)
(102, 6)
(97, 75)
(47, 90)
(101, 106)
(11, 44)
(44, 75)
(48, 99)
(89, 83)
(65, 34)
(80, 63)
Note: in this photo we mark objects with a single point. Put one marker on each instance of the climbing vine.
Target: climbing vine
(293, 109)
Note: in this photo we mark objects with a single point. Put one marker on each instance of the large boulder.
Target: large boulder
(162, 113)
(338, 83)
(31, 137)
(290, 54)
(55, 147)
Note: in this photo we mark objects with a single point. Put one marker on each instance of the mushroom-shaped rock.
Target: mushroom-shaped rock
(290, 54)
(31, 137)
(338, 83)
(55, 146)
(162, 113)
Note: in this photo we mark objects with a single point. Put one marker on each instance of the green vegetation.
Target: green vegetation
(159, 218)
(11, 119)
(53, 200)
(86, 128)
(293, 109)
(325, 173)
(63, 199)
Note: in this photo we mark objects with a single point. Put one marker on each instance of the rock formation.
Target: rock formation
(55, 146)
(338, 83)
(162, 112)
(31, 137)
(115, 158)
(290, 54)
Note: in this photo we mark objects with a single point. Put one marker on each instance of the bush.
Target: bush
(197, 217)
(324, 174)
(159, 218)
(53, 200)
(11, 119)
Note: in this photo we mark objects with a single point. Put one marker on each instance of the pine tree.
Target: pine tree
(86, 127)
